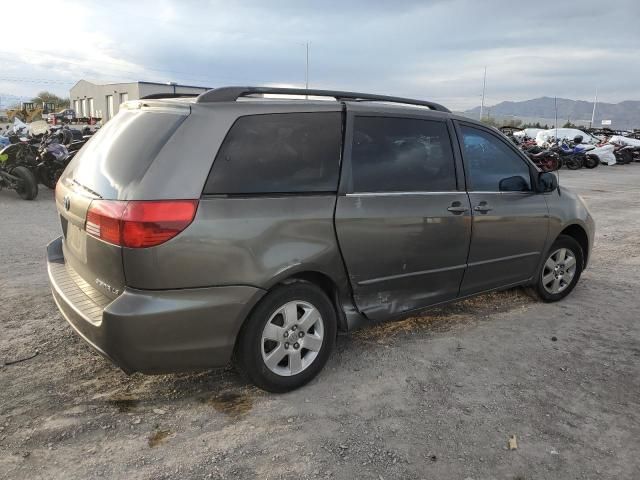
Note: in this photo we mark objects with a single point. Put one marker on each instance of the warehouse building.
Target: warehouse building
(103, 100)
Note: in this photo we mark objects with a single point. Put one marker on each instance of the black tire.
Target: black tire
(573, 163)
(625, 157)
(572, 246)
(49, 178)
(591, 161)
(28, 190)
(248, 357)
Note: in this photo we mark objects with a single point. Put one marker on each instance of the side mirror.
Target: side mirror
(513, 184)
(547, 182)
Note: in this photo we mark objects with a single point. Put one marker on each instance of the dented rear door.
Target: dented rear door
(402, 223)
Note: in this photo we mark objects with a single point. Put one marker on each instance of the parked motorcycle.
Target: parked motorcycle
(16, 176)
(589, 160)
(624, 154)
(545, 160)
(53, 156)
(574, 155)
(569, 159)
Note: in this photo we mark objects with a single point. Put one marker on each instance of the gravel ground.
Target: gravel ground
(430, 397)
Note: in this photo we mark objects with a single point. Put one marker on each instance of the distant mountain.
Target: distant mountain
(623, 115)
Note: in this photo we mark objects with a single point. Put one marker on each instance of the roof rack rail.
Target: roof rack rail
(231, 94)
(168, 95)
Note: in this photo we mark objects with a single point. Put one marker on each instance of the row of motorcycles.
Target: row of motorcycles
(573, 154)
(557, 154)
(38, 159)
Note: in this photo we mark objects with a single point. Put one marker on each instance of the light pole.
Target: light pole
(484, 85)
(593, 113)
(306, 69)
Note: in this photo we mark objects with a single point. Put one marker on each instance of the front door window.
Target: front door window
(492, 165)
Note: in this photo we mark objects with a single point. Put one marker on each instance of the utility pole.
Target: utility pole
(306, 70)
(593, 113)
(555, 104)
(484, 85)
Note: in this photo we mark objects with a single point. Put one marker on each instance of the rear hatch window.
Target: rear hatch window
(120, 153)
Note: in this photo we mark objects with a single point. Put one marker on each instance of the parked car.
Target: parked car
(211, 229)
(63, 116)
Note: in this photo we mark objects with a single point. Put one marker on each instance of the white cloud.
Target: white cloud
(431, 50)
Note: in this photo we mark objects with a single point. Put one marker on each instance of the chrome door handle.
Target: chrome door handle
(456, 209)
(483, 208)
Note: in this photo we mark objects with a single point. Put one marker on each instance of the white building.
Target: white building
(103, 100)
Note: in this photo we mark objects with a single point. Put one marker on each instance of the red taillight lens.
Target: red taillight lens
(103, 220)
(146, 224)
(139, 224)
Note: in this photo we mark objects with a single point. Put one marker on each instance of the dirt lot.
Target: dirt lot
(433, 397)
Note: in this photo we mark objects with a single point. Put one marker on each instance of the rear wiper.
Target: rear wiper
(95, 194)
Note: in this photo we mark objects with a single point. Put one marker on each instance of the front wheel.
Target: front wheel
(550, 164)
(561, 270)
(287, 338)
(573, 163)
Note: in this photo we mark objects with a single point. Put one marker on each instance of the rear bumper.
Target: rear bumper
(157, 331)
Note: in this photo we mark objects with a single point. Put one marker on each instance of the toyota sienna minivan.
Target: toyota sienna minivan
(248, 225)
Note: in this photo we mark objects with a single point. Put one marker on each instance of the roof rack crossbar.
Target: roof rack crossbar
(231, 94)
(153, 96)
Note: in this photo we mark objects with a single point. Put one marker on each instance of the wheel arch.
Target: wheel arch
(579, 234)
(326, 284)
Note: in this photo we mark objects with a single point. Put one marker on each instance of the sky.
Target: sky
(434, 50)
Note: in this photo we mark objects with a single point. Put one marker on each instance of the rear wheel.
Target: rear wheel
(28, 185)
(624, 157)
(49, 178)
(591, 161)
(287, 338)
(561, 270)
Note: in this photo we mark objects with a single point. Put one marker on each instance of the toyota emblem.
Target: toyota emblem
(67, 202)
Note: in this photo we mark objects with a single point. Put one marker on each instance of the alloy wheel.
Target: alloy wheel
(558, 271)
(292, 338)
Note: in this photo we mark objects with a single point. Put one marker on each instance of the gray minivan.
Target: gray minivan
(241, 226)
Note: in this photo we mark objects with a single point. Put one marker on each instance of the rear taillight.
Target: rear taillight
(139, 224)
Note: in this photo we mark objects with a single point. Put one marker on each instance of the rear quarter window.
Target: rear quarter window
(279, 153)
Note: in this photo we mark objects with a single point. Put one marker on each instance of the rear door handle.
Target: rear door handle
(457, 207)
(482, 207)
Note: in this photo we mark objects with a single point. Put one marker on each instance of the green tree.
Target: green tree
(49, 97)
(488, 120)
(513, 122)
